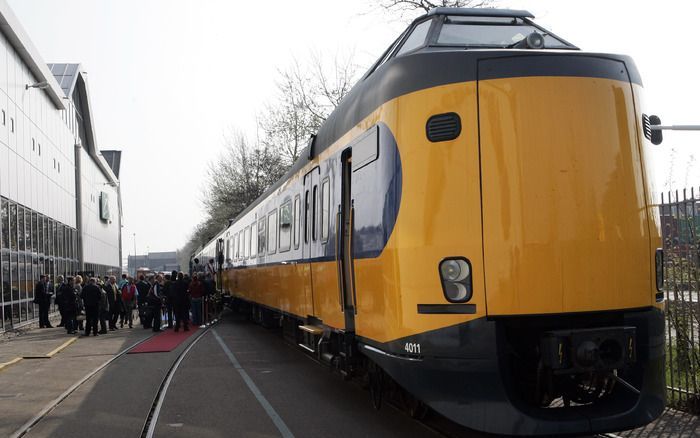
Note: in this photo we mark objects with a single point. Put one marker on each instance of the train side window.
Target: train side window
(235, 246)
(285, 226)
(297, 218)
(307, 207)
(314, 214)
(261, 236)
(325, 208)
(246, 243)
(253, 242)
(241, 246)
(272, 232)
(228, 253)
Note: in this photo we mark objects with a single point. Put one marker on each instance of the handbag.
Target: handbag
(81, 316)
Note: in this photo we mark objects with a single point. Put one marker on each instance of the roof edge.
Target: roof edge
(18, 38)
(481, 12)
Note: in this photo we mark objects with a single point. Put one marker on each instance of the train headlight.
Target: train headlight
(659, 269)
(456, 278)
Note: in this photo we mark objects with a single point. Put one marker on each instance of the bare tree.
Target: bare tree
(244, 170)
(306, 97)
(425, 5)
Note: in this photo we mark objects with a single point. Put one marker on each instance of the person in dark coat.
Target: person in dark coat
(168, 289)
(91, 299)
(196, 291)
(42, 297)
(103, 309)
(67, 302)
(155, 303)
(57, 299)
(181, 303)
(114, 300)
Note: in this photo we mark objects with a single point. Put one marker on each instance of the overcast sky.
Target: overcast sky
(168, 78)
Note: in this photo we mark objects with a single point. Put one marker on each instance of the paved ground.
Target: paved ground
(209, 398)
(29, 385)
(239, 379)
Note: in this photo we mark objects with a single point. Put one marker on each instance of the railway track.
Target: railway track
(152, 416)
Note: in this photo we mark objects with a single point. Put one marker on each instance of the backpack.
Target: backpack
(128, 293)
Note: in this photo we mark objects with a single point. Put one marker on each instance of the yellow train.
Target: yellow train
(474, 221)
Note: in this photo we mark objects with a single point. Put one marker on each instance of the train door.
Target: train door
(310, 199)
(343, 247)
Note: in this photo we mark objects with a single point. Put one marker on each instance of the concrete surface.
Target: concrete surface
(29, 385)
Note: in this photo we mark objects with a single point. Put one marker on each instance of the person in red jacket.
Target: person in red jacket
(196, 291)
(129, 293)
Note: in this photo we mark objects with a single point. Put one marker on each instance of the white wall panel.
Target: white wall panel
(4, 170)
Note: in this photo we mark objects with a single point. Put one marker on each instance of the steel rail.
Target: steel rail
(26, 427)
(149, 426)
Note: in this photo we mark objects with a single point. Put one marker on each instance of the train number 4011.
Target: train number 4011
(412, 348)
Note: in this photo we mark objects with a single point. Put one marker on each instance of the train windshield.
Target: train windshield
(492, 32)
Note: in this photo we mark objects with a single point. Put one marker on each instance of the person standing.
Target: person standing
(78, 291)
(155, 303)
(123, 282)
(91, 296)
(104, 310)
(197, 267)
(210, 268)
(43, 299)
(168, 289)
(196, 291)
(181, 303)
(67, 303)
(114, 300)
(129, 293)
(143, 287)
(57, 299)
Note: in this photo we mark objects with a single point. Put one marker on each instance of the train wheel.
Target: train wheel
(414, 407)
(376, 385)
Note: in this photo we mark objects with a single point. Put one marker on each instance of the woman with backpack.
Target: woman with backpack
(128, 301)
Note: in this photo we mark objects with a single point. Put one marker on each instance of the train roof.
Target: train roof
(480, 12)
(351, 107)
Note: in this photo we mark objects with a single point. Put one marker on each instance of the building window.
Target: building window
(4, 118)
(54, 163)
(12, 124)
(59, 167)
(33, 145)
(39, 149)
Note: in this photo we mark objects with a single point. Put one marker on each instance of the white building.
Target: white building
(60, 208)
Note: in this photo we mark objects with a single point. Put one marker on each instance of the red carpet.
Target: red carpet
(162, 342)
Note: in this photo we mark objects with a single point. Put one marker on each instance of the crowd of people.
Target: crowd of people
(104, 304)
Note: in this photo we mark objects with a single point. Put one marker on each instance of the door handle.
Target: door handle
(351, 281)
(338, 259)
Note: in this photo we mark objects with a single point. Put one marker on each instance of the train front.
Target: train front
(551, 235)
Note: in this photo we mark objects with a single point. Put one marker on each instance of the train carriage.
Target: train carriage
(474, 220)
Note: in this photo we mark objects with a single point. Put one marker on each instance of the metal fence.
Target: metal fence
(680, 224)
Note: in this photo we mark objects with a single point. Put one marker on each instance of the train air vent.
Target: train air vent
(443, 127)
(647, 126)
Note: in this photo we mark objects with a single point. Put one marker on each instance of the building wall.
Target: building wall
(38, 223)
(100, 238)
(36, 160)
(37, 189)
